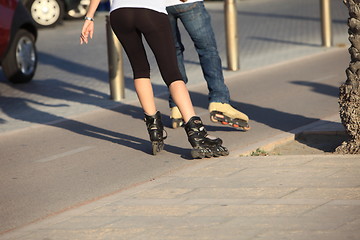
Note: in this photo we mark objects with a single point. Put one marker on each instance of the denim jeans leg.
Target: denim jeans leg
(196, 21)
(179, 49)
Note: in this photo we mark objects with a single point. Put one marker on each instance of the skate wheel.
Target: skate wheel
(217, 154)
(244, 128)
(213, 119)
(157, 147)
(225, 152)
(196, 153)
(209, 154)
(154, 149)
(224, 123)
(220, 151)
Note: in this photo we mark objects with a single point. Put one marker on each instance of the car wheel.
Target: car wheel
(20, 62)
(80, 11)
(46, 13)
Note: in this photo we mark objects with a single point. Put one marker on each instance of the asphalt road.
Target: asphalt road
(70, 144)
(73, 79)
(49, 168)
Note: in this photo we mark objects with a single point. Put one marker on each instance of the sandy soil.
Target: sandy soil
(311, 144)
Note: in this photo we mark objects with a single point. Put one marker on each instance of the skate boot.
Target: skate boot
(156, 132)
(226, 114)
(203, 144)
(176, 117)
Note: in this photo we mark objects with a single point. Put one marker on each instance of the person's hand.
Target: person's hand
(87, 30)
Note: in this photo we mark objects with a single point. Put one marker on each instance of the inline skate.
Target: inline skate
(156, 132)
(203, 144)
(227, 115)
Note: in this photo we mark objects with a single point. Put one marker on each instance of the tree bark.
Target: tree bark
(349, 95)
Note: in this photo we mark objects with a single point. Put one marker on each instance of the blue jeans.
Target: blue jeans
(196, 21)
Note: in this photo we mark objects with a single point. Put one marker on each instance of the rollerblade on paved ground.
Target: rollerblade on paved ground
(203, 144)
(156, 132)
(219, 112)
(227, 115)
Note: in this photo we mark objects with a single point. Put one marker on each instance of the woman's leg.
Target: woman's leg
(181, 97)
(123, 22)
(157, 31)
(131, 41)
(145, 95)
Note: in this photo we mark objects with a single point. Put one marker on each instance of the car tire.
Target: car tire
(19, 64)
(46, 13)
(80, 11)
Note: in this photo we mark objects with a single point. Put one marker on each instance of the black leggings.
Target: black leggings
(129, 24)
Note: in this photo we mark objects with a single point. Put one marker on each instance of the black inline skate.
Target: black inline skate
(203, 144)
(156, 132)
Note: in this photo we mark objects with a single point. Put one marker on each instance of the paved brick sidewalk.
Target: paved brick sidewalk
(235, 197)
(277, 197)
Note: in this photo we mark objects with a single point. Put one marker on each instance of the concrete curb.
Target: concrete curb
(329, 125)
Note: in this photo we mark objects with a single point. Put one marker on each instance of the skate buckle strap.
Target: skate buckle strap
(211, 137)
(198, 121)
(164, 131)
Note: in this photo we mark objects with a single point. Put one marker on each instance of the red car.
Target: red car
(18, 33)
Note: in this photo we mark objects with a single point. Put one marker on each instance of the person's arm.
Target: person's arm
(88, 27)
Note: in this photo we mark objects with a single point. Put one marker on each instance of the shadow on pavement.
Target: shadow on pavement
(37, 117)
(311, 143)
(79, 69)
(72, 67)
(268, 116)
(21, 109)
(280, 41)
(320, 88)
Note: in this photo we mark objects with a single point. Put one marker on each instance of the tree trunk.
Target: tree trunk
(349, 97)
